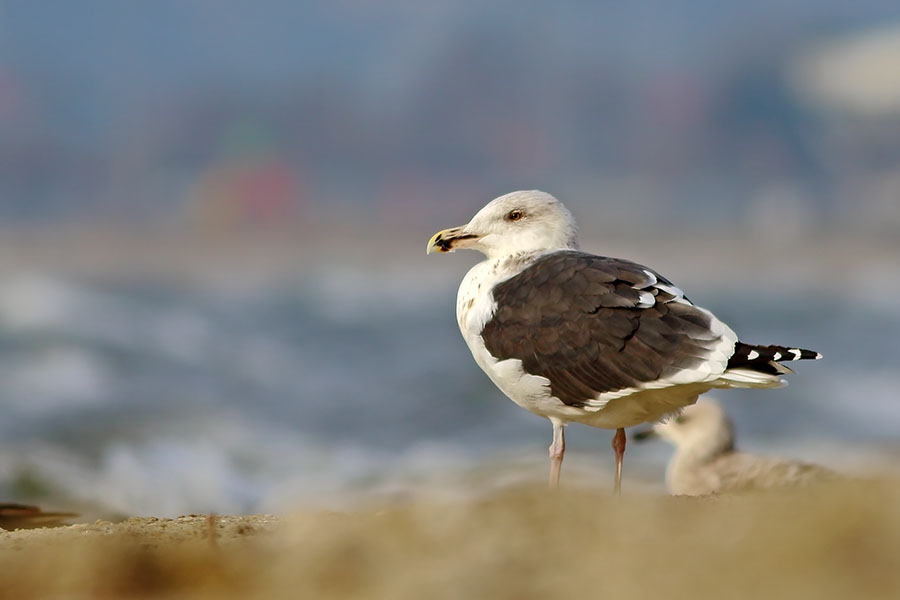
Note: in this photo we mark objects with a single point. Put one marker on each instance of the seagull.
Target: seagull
(579, 338)
(705, 461)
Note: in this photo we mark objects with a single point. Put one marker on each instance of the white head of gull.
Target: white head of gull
(517, 223)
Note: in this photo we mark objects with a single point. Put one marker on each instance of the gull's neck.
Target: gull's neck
(704, 449)
(686, 470)
(514, 261)
(527, 249)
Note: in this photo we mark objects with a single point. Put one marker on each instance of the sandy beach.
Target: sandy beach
(837, 540)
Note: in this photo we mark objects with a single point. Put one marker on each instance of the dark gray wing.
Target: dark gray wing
(592, 324)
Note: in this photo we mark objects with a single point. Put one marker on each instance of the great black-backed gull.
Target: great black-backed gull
(706, 462)
(575, 337)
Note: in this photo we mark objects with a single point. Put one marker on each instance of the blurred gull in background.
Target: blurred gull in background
(706, 462)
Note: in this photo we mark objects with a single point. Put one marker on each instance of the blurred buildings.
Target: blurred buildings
(854, 82)
(222, 113)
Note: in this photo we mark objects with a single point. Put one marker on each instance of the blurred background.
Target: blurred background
(214, 294)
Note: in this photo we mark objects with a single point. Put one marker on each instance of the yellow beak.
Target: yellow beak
(448, 240)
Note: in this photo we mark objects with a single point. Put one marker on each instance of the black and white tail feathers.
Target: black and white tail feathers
(765, 359)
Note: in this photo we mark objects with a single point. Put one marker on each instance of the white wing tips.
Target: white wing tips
(801, 354)
(768, 358)
(645, 299)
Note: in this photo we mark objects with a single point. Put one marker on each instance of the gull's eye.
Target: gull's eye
(514, 215)
(681, 419)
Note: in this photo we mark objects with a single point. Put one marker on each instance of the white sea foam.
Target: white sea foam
(152, 400)
(54, 379)
(31, 301)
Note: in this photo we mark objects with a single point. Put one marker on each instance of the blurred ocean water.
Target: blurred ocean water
(341, 383)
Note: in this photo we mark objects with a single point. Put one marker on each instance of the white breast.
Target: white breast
(474, 304)
(474, 308)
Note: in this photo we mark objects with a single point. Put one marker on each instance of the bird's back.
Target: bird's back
(739, 471)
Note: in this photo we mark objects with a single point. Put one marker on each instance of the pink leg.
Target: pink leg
(618, 446)
(557, 450)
